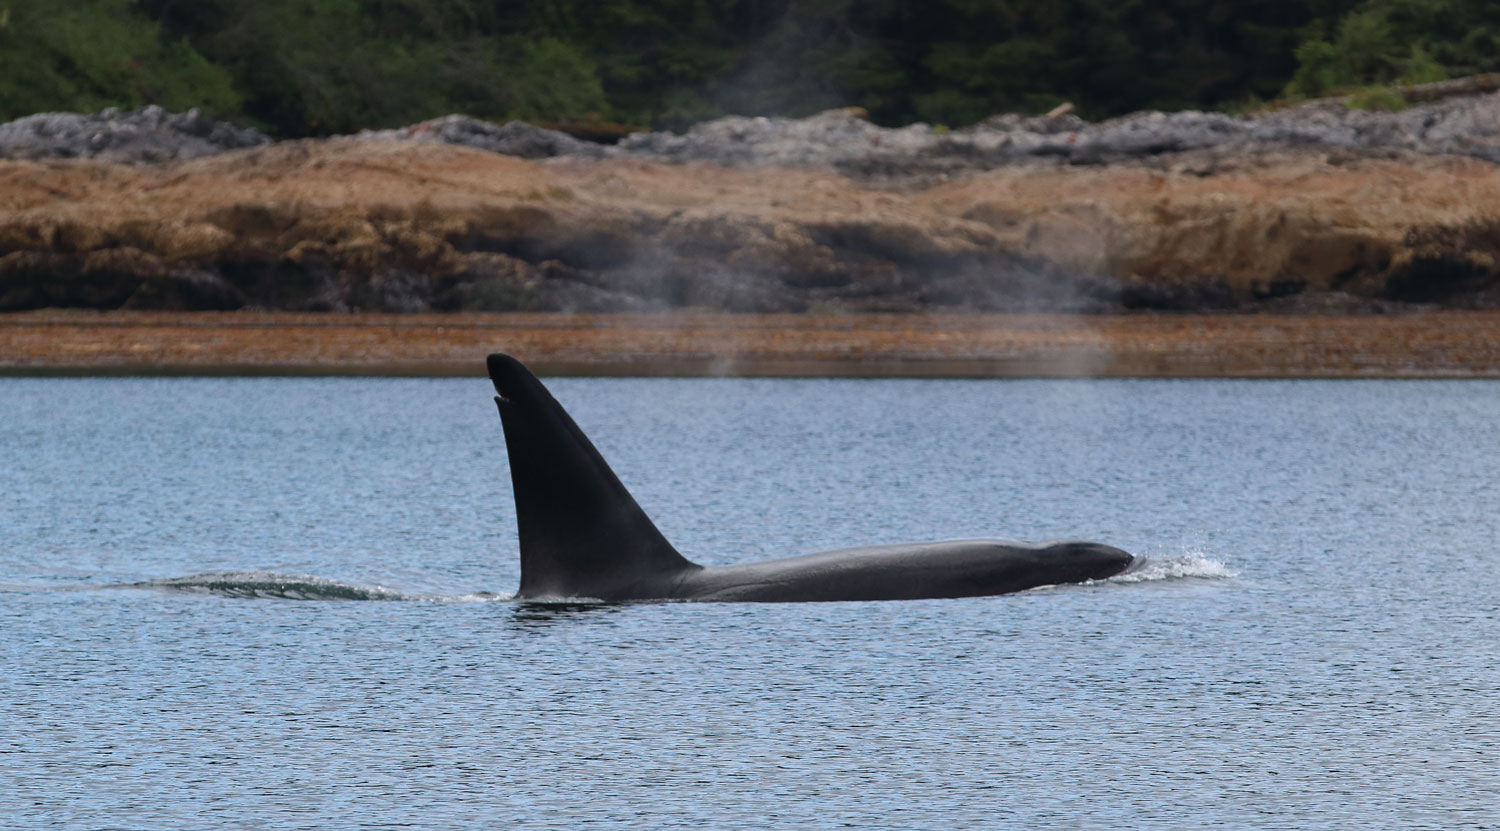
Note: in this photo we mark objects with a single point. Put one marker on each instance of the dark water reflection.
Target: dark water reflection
(1312, 644)
(532, 615)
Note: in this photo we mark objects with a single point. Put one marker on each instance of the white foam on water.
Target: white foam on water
(564, 600)
(1187, 565)
(471, 597)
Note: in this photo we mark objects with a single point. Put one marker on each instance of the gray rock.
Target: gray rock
(150, 134)
(826, 138)
(842, 139)
(838, 139)
(516, 138)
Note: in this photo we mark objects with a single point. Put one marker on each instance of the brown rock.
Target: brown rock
(191, 242)
(374, 225)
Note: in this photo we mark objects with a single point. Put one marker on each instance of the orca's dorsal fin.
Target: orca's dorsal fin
(582, 533)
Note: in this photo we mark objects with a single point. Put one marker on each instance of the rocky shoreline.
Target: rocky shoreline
(1454, 118)
(1318, 209)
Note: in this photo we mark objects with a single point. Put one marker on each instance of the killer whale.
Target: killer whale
(582, 535)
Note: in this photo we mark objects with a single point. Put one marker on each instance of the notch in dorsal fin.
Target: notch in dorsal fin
(582, 533)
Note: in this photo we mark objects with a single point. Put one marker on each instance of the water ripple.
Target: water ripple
(266, 584)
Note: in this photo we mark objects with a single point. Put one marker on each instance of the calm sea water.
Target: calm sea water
(1313, 643)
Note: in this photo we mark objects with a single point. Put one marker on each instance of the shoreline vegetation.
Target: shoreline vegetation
(305, 68)
(1444, 344)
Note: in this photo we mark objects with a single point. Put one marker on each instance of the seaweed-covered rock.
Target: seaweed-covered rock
(407, 226)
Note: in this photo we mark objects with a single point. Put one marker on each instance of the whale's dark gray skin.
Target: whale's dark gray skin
(583, 535)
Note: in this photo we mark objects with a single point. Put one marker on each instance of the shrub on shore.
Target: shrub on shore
(318, 67)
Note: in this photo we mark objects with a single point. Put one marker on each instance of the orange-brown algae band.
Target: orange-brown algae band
(1428, 344)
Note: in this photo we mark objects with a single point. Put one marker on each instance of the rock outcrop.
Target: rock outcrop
(1322, 210)
(150, 134)
(843, 140)
(516, 138)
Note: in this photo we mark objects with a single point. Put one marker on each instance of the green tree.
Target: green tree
(311, 67)
(90, 54)
(333, 66)
(1397, 42)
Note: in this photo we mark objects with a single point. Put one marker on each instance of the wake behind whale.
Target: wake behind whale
(270, 585)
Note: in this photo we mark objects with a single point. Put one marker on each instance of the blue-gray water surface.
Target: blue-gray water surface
(185, 566)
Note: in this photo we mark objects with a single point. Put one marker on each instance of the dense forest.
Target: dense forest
(316, 67)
